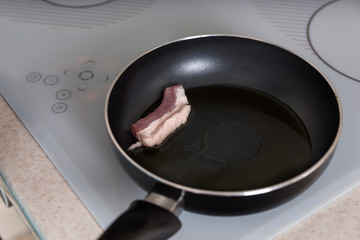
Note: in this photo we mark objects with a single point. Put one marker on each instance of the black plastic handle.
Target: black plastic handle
(143, 221)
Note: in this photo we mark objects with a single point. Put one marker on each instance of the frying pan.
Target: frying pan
(263, 127)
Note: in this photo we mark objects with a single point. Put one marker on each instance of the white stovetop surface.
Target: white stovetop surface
(75, 140)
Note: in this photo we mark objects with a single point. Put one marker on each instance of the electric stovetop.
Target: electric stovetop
(58, 58)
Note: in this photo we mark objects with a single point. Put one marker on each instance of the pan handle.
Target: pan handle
(155, 217)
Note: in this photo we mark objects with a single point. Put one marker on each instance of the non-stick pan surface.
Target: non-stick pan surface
(263, 126)
(236, 139)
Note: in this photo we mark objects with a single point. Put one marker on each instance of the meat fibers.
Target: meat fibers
(173, 112)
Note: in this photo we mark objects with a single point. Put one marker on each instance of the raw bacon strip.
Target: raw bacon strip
(166, 118)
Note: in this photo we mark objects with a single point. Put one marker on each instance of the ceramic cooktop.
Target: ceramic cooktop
(58, 59)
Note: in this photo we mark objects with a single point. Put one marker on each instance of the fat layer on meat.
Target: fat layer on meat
(166, 118)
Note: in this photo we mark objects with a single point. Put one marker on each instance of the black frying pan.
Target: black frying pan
(264, 125)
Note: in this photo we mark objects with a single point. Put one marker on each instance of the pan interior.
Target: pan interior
(236, 138)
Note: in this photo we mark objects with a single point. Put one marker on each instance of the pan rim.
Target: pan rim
(236, 193)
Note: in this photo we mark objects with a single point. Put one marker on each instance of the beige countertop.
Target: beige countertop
(57, 213)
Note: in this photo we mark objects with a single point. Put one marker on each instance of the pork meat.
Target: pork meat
(166, 118)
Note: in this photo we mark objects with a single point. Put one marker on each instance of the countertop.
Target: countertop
(57, 213)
